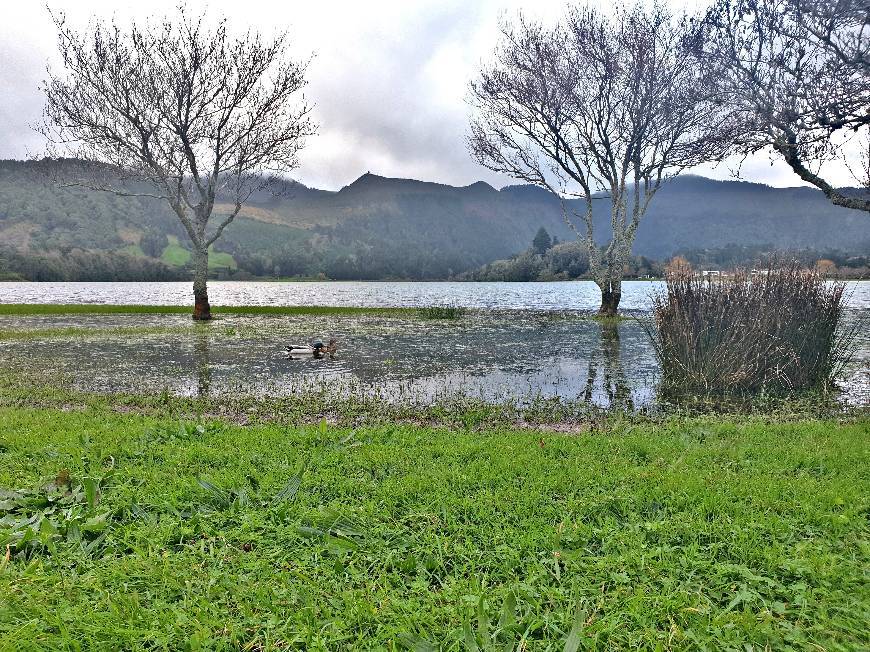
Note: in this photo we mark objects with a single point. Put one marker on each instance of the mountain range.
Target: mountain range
(382, 228)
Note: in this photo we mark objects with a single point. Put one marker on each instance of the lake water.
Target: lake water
(570, 295)
(537, 342)
(515, 296)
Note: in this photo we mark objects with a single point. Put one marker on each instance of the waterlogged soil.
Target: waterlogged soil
(510, 356)
(513, 356)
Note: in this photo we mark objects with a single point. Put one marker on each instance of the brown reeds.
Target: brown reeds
(777, 330)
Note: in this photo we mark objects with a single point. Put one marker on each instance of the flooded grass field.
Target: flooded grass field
(286, 510)
(540, 343)
(515, 356)
(492, 356)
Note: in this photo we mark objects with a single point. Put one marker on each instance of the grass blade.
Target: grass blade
(288, 493)
(468, 633)
(575, 637)
(508, 611)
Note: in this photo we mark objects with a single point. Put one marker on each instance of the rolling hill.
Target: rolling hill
(378, 228)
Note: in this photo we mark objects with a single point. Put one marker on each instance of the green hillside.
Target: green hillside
(377, 228)
(174, 253)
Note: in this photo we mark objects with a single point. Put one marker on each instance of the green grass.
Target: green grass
(221, 259)
(443, 312)
(76, 333)
(133, 250)
(176, 255)
(686, 534)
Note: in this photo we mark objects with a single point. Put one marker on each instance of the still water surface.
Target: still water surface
(536, 343)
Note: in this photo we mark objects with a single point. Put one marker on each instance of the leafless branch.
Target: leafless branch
(190, 111)
(596, 104)
(794, 75)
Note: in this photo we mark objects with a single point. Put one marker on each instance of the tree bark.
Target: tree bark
(610, 297)
(201, 307)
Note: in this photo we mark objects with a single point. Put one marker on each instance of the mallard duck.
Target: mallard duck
(317, 349)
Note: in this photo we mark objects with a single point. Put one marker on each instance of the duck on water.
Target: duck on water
(316, 350)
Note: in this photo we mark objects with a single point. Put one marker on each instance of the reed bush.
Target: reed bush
(778, 330)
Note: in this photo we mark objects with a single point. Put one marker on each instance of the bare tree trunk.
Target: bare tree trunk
(177, 111)
(611, 293)
(614, 103)
(201, 308)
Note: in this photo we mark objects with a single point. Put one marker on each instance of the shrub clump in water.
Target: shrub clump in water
(775, 331)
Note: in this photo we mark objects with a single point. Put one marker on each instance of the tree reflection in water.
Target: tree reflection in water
(202, 361)
(607, 362)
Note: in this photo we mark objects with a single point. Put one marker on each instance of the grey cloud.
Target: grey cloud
(20, 98)
(374, 80)
(379, 99)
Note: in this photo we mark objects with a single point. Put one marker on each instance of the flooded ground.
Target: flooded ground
(496, 356)
(520, 341)
(508, 356)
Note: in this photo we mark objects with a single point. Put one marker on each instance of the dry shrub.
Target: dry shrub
(776, 330)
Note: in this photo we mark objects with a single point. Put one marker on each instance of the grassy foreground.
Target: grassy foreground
(699, 534)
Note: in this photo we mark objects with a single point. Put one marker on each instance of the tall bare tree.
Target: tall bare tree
(180, 111)
(795, 77)
(594, 108)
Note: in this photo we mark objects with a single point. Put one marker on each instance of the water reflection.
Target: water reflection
(201, 357)
(513, 356)
(608, 363)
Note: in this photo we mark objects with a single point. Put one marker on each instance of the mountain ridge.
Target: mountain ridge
(383, 227)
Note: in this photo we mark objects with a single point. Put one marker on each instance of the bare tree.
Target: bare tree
(595, 108)
(795, 77)
(178, 111)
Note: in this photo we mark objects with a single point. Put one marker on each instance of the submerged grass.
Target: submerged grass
(348, 405)
(442, 312)
(67, 332)
(685, 534)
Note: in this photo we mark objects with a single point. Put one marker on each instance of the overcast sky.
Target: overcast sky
(388, 79)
